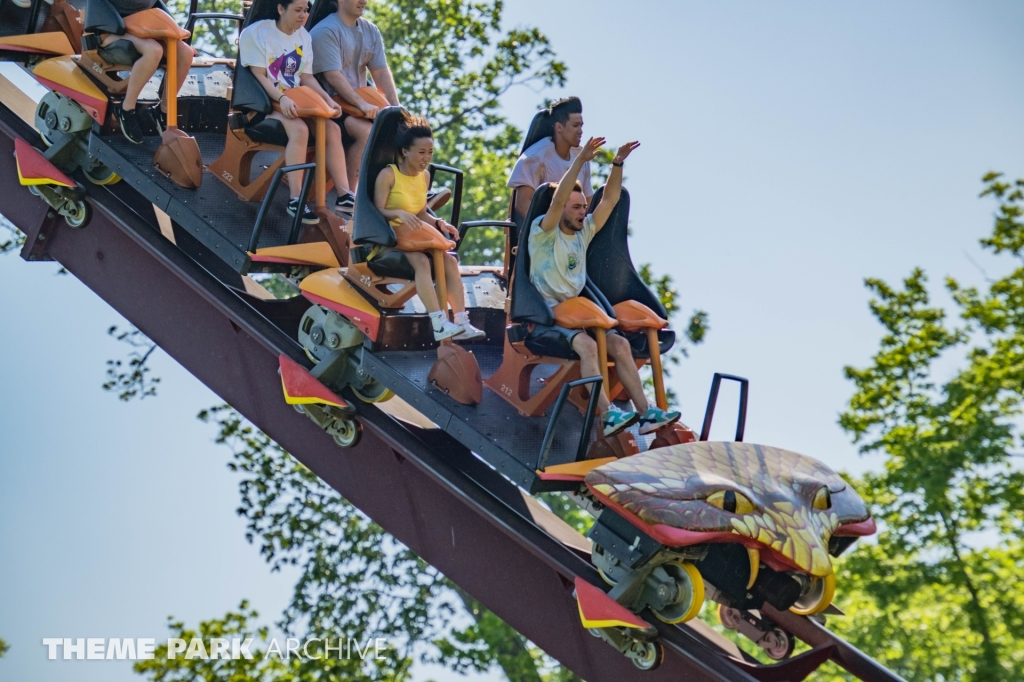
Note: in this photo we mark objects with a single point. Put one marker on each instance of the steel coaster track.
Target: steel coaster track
(423, 487)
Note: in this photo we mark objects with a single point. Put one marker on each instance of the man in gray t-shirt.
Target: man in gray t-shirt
(345, 47)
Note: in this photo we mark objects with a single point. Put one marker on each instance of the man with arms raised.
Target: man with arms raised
(558, 268)
(345, 46)
(548, 159)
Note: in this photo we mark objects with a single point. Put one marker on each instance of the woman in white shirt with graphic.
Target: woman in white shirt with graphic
(279, 52)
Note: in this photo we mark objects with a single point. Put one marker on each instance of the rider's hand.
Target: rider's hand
(288, 107)
(335, 107)
(408, 219)
(591, 148)
(369, 110)
(448, 229)
(625, 151)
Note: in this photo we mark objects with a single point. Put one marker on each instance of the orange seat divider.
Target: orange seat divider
(420, 238)
(310, 104)
(154, 23)
(312, 253)
(582, 313)
(632, 316)
(573, 470)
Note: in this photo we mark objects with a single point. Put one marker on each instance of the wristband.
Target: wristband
(617, 164)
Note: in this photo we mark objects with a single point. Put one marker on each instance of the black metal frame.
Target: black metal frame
(457, 194)
(191, 22)
(588, 419)
(709, 413)
(268, 198)
(466, 226)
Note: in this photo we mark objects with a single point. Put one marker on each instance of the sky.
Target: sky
(789, 151)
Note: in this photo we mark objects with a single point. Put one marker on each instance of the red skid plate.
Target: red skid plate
(598, 610)
(34, 169)
(301, 388)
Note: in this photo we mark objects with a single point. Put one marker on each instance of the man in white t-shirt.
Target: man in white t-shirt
(548, 159)
(558, 269)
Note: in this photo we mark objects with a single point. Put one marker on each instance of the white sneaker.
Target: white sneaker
(443, 328)
(469, 332)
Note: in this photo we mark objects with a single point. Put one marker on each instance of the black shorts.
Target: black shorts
(554, 340)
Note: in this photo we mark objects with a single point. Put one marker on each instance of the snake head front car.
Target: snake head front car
(785, 505)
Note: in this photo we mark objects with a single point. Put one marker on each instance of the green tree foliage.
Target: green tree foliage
(941, 594)
(13, 239)
(4, 647)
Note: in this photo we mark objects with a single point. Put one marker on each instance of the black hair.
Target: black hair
(563, 108)
(410, 129)
(267, 9)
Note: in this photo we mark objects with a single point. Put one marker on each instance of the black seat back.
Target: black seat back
(540, 127)
(609, 265)
(248, 94)
(320, 11)
(527, 303)
(102, 17)
(371, 227)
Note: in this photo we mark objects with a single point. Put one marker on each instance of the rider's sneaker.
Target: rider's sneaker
(159, 117)
(443, 327)
(308, 217)
(616, 420)
(655, 418)
(469, 332)
(128, 119)
(345, 203)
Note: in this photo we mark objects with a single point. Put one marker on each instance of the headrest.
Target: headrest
(540, 127)
(247, 93)
(102, 17)
(381, 149)
(320, 11)
(609, 265)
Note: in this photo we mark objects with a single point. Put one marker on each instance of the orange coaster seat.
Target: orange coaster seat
(420, 238)
(154, 23)
(311, 253)
(104, 62)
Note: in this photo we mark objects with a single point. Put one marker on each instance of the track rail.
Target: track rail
(423, 487)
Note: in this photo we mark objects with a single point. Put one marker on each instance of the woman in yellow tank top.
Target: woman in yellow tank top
(400, 193)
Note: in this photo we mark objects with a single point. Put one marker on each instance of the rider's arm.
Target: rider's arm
(337, 80)
(565, 186)
(386, 84)
(268, 85)
(613, 188)
(381, 190)
(524, 196)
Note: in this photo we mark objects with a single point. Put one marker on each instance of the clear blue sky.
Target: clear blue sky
(790, 150)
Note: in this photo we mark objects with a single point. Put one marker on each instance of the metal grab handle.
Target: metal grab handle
(465, 227)
(588, 420)
(293, 236)
(709, 413)
(190, 24)
(457, 195)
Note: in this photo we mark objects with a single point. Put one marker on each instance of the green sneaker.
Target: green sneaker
(655, 418)
(615, 420)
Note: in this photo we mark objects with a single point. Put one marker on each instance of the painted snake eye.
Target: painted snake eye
(822, 499)
(731, 501)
